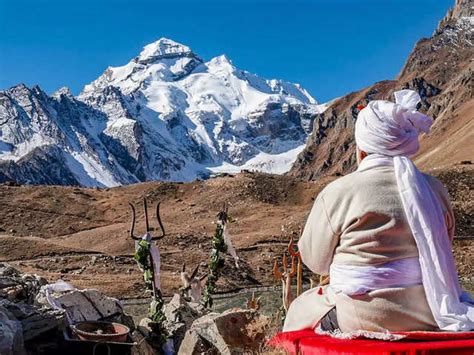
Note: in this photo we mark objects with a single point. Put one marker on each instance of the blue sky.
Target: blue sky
(330, 47)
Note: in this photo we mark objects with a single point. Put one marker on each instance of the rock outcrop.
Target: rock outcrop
(22, 321)
(33, 313)
(236, 331)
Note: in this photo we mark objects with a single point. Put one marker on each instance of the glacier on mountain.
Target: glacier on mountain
(166, 115)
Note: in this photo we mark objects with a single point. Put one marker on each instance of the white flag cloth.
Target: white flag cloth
(56, 288)
(389, 133)
(230, 247)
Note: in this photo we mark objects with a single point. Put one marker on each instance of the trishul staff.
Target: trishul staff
(285, 278)
(299, 268)
(148, 238)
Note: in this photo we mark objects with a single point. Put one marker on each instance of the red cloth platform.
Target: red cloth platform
(416, 343)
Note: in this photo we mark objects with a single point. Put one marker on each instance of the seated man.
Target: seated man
(383, 234)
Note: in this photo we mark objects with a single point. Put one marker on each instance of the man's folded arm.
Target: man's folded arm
(319, 239)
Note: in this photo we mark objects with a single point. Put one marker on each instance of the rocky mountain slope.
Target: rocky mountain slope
(441, 69)
(166, 115)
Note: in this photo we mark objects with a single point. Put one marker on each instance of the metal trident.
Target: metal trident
(299, 274)
(147, 225)
(155, 290)
(285, 278)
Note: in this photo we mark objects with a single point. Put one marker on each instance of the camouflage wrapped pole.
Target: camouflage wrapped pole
(216, 260)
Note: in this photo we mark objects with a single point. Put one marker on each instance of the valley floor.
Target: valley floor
(81, 235)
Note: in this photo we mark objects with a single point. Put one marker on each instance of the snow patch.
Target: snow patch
(23, 148)
(263, 162)
(88, 171)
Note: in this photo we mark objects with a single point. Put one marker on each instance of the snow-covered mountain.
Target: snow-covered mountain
(165, 115)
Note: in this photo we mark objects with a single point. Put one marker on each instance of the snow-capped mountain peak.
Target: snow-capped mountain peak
(163, 48)
(221, 60)
(165, 115)
(163, 60)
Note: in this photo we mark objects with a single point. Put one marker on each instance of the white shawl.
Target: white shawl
(389, 133)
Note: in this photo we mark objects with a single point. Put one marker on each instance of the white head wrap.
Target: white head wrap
(389, 133)
(391, 128)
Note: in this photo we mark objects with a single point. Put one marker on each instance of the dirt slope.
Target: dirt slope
(81, 235)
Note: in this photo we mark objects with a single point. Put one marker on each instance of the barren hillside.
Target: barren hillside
(81, 235)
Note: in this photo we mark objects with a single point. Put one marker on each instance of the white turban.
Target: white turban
(389, 133)
(391, 128)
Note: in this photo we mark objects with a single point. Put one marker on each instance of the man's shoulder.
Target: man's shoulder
(344, 184)
(359, 182)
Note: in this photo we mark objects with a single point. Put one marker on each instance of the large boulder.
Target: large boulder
(11, 334)
(33, 321)
(193, 344)
(82, 305)
(22, 321)
(180, 315)
(231, 332)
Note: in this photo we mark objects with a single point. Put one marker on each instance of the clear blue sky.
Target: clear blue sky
(330, 47)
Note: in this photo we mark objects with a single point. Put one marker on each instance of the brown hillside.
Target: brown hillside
(81, 235)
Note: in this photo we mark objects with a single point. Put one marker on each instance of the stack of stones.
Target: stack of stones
(23, 322)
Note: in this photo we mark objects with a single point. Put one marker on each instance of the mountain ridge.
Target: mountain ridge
(441, 70)
(165, 115)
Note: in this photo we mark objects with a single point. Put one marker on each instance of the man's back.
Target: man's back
(383, 233)
(359, 220)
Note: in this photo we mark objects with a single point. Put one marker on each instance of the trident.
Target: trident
(285, 278)
(299, 274)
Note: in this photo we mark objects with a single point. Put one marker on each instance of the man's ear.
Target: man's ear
(360, 154)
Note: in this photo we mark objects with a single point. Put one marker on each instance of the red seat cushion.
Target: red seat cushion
(422, 343)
